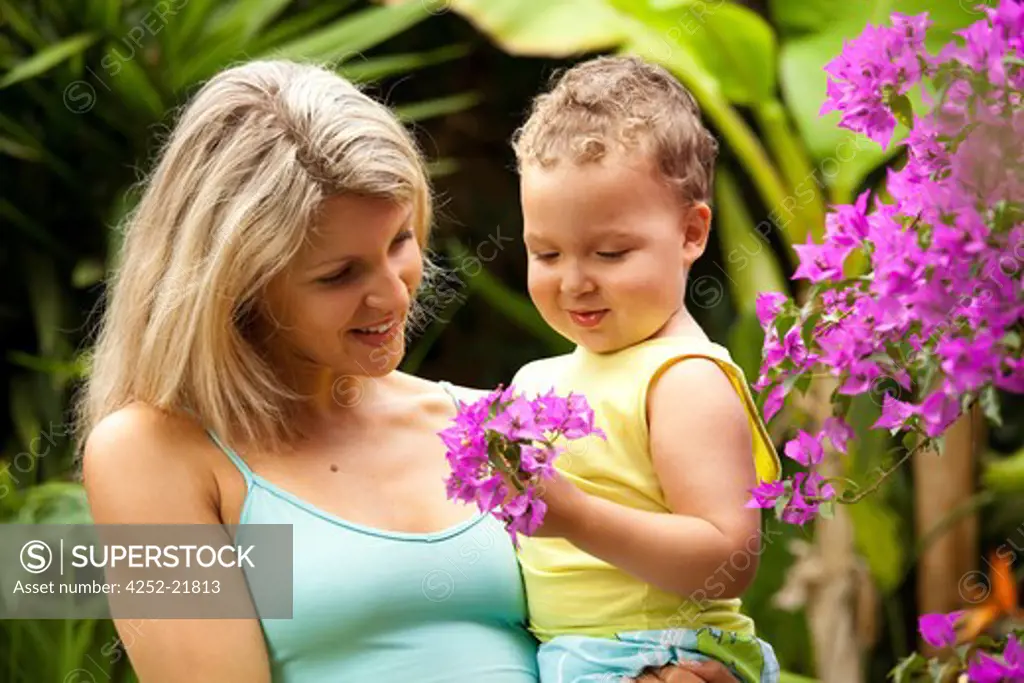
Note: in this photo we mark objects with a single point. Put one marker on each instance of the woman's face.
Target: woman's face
(343, 302)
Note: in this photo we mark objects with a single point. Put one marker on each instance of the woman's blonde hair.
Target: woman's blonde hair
(234, 195)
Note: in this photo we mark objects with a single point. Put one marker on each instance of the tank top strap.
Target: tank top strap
(452, 392)
(234, 457)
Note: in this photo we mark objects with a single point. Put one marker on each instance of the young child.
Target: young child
(616, 172)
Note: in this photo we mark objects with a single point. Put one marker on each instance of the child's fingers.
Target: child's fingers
(690, 672)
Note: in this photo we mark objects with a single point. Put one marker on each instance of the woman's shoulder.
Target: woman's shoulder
(439, 396)
(139, 428)
(141, 464)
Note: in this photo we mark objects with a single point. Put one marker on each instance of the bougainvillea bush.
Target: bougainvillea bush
(918, 288)
(938, 306)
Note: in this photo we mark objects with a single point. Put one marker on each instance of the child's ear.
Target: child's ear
(696, 229)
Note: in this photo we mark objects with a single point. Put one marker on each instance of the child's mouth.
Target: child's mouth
(588, 318)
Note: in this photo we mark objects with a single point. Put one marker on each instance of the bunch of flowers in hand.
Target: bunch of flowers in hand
(503, 446)
(937, 311)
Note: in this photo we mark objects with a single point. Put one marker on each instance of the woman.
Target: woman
(245, 372)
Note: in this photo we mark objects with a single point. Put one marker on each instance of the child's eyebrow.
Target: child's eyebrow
(616, 234)
(531, 238)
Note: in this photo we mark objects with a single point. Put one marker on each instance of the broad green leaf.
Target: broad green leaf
(1005, 474)
(732, 44)
(544, 28)
(46, 59)
(354, 33)
(745, 341)
(836, 150)
(440, 106)
(803, 209)
(375, 68)
(749, 260)
(877, 536)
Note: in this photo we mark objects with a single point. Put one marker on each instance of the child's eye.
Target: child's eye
(613, 254)
(546, 256)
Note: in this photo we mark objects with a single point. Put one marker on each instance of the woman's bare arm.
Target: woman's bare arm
(141, 467)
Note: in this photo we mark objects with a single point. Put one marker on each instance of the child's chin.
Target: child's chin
(602, 345)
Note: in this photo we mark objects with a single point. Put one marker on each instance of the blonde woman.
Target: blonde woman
(245, 372)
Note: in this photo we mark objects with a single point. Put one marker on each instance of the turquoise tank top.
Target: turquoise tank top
(383, 606)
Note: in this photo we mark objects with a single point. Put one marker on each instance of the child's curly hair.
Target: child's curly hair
(610, 104)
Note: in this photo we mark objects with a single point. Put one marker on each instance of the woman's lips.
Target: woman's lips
(378, 335)
(588, 318)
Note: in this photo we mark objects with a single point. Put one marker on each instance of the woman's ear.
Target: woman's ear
(696, 229)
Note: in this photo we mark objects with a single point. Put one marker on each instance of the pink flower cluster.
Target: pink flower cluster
(504, 440)
(939, 631)
(938, 311)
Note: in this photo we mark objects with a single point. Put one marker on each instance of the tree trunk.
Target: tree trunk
(942, 483)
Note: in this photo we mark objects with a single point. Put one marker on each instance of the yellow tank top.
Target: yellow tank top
(571, 592)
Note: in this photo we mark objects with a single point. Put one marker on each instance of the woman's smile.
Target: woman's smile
(379, 334)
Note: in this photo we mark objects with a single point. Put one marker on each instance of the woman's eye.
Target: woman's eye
(613, 254)
(402, 237)
(334, 278)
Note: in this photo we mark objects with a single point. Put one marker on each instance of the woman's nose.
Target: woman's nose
(388, 291)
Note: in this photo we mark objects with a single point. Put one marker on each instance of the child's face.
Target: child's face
(609, 245)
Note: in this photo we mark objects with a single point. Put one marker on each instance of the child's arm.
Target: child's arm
(702, 452)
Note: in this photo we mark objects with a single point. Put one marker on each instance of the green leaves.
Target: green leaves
(47, 58)
(726, 44)
(352, 34)
(902, 109)
(877, 533)
(540, 27)
(752, 265)
(909, 668)
(436, 107)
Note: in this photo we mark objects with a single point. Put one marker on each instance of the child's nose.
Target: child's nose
(576, 281)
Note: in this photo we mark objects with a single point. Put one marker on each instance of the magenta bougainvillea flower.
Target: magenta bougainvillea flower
(938, 630)
(984, 668)
(502, 446)
(932, 323)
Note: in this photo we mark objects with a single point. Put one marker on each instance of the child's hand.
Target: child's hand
(566, 505)
(689, 672)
